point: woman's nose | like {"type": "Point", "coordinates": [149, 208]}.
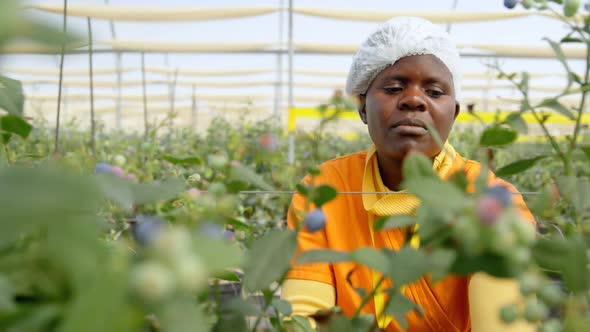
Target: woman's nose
{"type": "Point", "coordinates": [412, 99]}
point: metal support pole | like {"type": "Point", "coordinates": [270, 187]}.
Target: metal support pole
{"type": "Point", "coordinates": [455, 2]}
{"type": "Point", "coordinates": [291, 156]}
{"type": "Point", "coordinates": [279, 83]}
{"type": "Point", "coordinates": [119, 68]}
{"type": "Point", "coordinates": [172, 97]}
{"type": "Point", "coordinates": [194, 109]}
{"type": "Point", "coordinates": [143, 85]}
{"type": "Point", "coordinates": [61, 74]}
{"type": "Point", "coordinates": [91, 74]}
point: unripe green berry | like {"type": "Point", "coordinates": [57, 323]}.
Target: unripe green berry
{"type": "Point", "coordinates": [152, 281]}
{"type": "Point", "coordinates": [570, 7]}
{"type": "Point", "coordinates": [529, 283]}
{"type": "Point", "coordinates": [509, 313]}
{"type": "Point", "coordinates": [551, 294]}
{"type": "Point", "coordinates": [535, 311]}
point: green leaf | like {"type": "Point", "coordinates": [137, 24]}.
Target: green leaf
{"type": "Point", "coordinates": [398, 306]}
{"type": "Point", "coordinates": [6, 295]}
{"type": "Point", "coordinates": [12, 99]}
{"type": "Point", "coordinates": [372, 258]}
{"type": "Point", "coordinates": [186, 161]}
{"type": "Point", "coordinates": [49, 35]}
{"type": "Point", "coordinates": [561, 58]}
{"type": "Point", "coordinates": [323, 194]}
{"type": "Point", "coordinates": [576, 190]}
{"type": "Point", "coordinates": [216, 254]}
{"type": "Point", "coordinates": [243, 173]}
{"type": "Point", "coordinates": [242, 307]}
{"type": "Point", "coordinates": [282, 306]}
{"type": "Point", "coordinates": [492, 264]}
{"type": "Point", "coordinates": [585, 149]}
{"type": "Point", "coordinates": [323, 256]}
{"type": "Point", "coordinates": [516, 122]}
{"type": "Point", "coordinates": [441, 261]}
{"type": "Point", "coordinates": [524, 82]}
{"type": "Point", "coordinates": [144, 193]}
{"type": "Point", "coordinates": [415, 264]}
{"type": "Point", "coordinates": [57, 196]}
{"type": "Point", "coordinates": [269, 259]}
{"type": "Point", "coordinates": [555, 105]}
{"type": "Point", "coordinates": [101, 306]}
{"type": "Point", "coordinates": [115, 189]}
{"type": "Point", "coordinates": [182, 315]}
{"type": "Point", "coordinates": [302, 189]}
{"type": "Point", "coordinates": [518, 166]}
{"type": "Point", "coordinates": [567, 256]}
{"type": "Point", "coordinates": [542, 201]}
{"type": "Point", "coordinates": [230, 322]}
{"type": "Point", "coordinates": [497, 135]}
{"type": "Point", "coordinates": [301, 324]}
{"type": "Point", "coordinates": [570, 40]}
{"type": "Point", "coordinates": [430, 190]}
{"type": "Point", "coordinates": [340, 324]}
{"type": "Point", "coordinates": [417, 165]}
{"type": "Point", "coordinates": [226, 276]}
{"type": "Point", "coordinates": [14, 124]}
{"type": "Point", "coordinates": [38, 318]}
{"type": "Point", "coordinates": [390, 222]}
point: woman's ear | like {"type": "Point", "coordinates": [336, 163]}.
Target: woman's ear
{"type": "Point", "coordinates": [457, 109]}
{"type": "Point", "coordinates": [362, 109]}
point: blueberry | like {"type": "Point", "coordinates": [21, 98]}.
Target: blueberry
{"type": "Point", "coordinates": [146, 228]}
{"type": "Point", "coordinates": [102, 168]}
{"type": "Point", "coordinates": [315, 220]}
{"type": "Point", "coordinates": [510, 3]}
{"type": "Point", "coordinates": [501, 193]}
{"type": "Point", "coordinates": [489, 209]}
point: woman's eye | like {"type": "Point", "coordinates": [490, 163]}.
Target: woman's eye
{"type": "Point", "coordinates": [392, 89]}
{"type": "Point", "coordinates": [434, 93]}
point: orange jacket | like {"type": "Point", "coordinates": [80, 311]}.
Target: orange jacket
{"type": "Point", "coordinates": [445, 304]}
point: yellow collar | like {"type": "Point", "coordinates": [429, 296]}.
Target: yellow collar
{"type": "Point", "coordinates": [401, 202]}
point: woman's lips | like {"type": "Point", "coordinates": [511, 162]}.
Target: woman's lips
{"type": "Point", "coordinates": [410, 130]}
{"type": "Point", "coordinates": [410, 126]}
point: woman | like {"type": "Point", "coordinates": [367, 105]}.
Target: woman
{"type": "Point", "coordinates": [406, 76]}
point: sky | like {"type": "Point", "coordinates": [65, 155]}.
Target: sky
{"type": "Point", "coordinates": [265, 28]}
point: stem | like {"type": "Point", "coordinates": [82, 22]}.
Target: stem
{"type": "Point", "coordinates": [61, 73]}
{"type": "Point", "coordinates": [367, 298]}
{"type": "Point", "coordinates": [552, 141]}
{"type": "Point", "coordinates": [582, 104]}
{"type": "Point", "coordinates": [266, 305]}
{"type": "Point", "coordinates": [8, 161]}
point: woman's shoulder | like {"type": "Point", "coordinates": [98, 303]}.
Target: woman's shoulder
{"type": "Point", "coordinates": [345, 170]}
{"type": "Point", "coordinates": [351, 160]}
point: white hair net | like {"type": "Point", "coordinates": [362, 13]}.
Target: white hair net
{"type": "Point", "coordinates": [398, 38]}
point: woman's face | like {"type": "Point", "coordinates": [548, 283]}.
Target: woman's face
{"type": "Point", "coordinates": [415, 91]}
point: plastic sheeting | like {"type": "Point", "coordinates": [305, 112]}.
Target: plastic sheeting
{"type": "Point", "coordinates": [134, 45]}
{"type": "Point", "coordinates": [139, 98]}
{"type": "Point", "coordinates": [163, 13]}
{"type": "Point", "coordinates": [435, 17]}
{"type": "Point", "coordinates": [530, 51]}
{"type": "Point", "coordinates": [143, 13]}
